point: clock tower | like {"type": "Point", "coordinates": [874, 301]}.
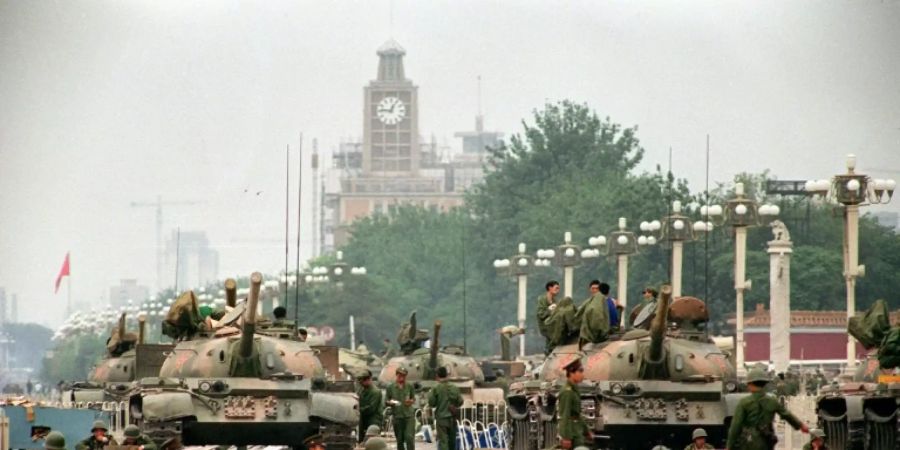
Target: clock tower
{"type": "Point", "coordinates": [390, 118]}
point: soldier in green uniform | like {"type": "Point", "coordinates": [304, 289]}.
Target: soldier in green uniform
{"type": "Point", "coordinates": [55, 441]}
{"type": "Point", "coordinates": [563, 325]}
{"type": "Point", "coordinates": [314, 442]}
{"type": "Point", "coordinates": [370, 409]}
{"type": "Point", "coordinates": [98, 438]}
{"type": "Point", "coordinates": [445, 400]}
{"type": "Point", "coordinates": [573, 431]}
{"type": "Point", "coordinates": [751, 426]}
{"type": "Point", "coordinates": [400, 397]}
{"type": "Point", "coordinates": [699, 440]}
{"type": "Point", "coordinates": [594, 317]}
{"type": "Point", "coordinates": [817, 440]}
{"type": "Point", "coordinates": [134, 437]}
{"type": "Point", "coordinates": [546, 305]}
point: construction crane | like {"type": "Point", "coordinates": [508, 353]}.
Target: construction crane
{"type": "Point", "coordinates": [158, 204]}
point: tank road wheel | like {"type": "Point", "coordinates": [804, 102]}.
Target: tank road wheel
{"type": "Point", "coordinates": [549, 432]}
{"type": "Point", "coordinates": [881, 429]}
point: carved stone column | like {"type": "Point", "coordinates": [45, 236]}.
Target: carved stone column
{"type": "Point", "coordinates": [780, 250]}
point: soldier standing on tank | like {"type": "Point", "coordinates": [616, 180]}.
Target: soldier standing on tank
{"type": "Point", "coordinates": [401, 396]}
{"type": "Point", "coordinates": [370, 410]}
{"type": "Point", "coordinates": [699, 440]}
{"type": "Point", "coordinates": [573, 431]}
{"type": "Point", "coordinates": [445, 400]}
{"type": "Point", "coordinates": [134, 437]}
{"type": "Point", "coordinates": [751, 426]}
{"type": "Point", "coordinates": [546, 305]}
{"type": "Point", "coordinates": [98, 438]}
{"type": "Point", "coordinates": [55, 441]}
{"type": "Point", "coordinates": [817, 440]}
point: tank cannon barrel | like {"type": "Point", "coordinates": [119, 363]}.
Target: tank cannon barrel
{"type": "Point", "coordinates": [122, 326]}
{"type": "Point", "coordinates": [230, 293]}
{"type": "Point", "coordinates": [249, 327]}
{"type": "Point", "coordinates": [142, 325]}
{"type": "Point", "coordinates": [654, 366]}
{"type": "Point", "coordinates": [435, 346]}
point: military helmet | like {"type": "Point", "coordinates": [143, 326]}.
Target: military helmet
{"type": "Point", "coordinates": [401, 370]}
{"type": "Point", "coordinates": [817, 433]}
{"type": "Point", "coordinates": [373, 430]}
{"type": "Point", "coordinates": [55, 441]}
{"type": "Point", "coordinates": [757, 376]}
{"type": "Point", "coordinates": [314, 440]}
{"type": "Point", "coordinates": [699, 433]}
{"type": "Point", "coordinates": [581, 447]}
{"type": "Point", "coordinates": [99, 424]}
{"type": "Point", "coordinates": [132, 431]}
{"type": "Point", "coordinates": [376, 443]}
{"type": "Point", "coordinates": [364, 374]}
{"type": "Point", "coordinates": [573, 365]}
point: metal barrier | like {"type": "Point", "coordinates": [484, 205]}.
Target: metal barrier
{"type": "Point", "coordinates": [480, 426]}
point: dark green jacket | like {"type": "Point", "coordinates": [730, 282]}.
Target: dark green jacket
{"type": "Point", "coordinates": [370, 408]}
{"type": "Point", "coordinates": [752, 418]}
{"type": "Point", "coordinates": [594, 314]}
{"type": "Point", "coordinates": [445, 399]}
{"type": "Point", "coordinates": [808, 446]}
{"type": "Point", "coordinates": [543, 312]}
{"type": "Point", "coordinates": [93, 444]}
{"type": "Point", "coordinates": [705, 446]}
{"type": "Point", "coordinates": [571, 423]}
{"type": "Point", "coordinates": [141, 440]}
{"type": "Point", "coordinates": [395, 392]}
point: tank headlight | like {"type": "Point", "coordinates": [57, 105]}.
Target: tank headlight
{"type": "Point", "coordinates": [616, 389]}
{"type": "Point", "coordinates": [731, 386]}
{"type": "Point", "coordinates": [204, 386]}
{"type": "Point", "coordinates": [630, 388]}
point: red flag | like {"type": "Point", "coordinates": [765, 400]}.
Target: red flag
{"type": "Point", "coordinates": [63, 272]}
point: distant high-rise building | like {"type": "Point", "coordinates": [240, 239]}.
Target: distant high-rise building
{"type": "Point", "coordinates": [128, 289]}
{"type": "Point", "coordinates": [197, 263]}
{"type": "Point", "coordinates": [2, 306]}
{"type": "Point", "coordinates": [14, 309]}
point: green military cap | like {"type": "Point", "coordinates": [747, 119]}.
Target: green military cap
{"type": "Point", "coordinates": [364, 374]}
{"type": "Point", "coordinates": [757, 376]}
{"type": "Point", "coordinates": [314, 440]}
{"type": "Point", "coordinates": [581, 447]}
{"type": "Point", "coordinates": [132, 431]}
{"type": "Point", "coordinates": [699, 433]}
{"type": "Point", "coordinates": [573, 365]}
{"type": "Point", "coordinates": [817, 433]}
{"type": "Point", "coordinates": [99, 424]}
{"type": "Point", "coordinates": [55, 441]}
{"type": "Point", "coordinates": [376, 443]}
{"type": "Point", "coordinates": [373, 430]}
{"type": "Point", "coordinates": [401, 371]}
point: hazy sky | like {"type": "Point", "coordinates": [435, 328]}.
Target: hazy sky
{"type": "Point", "coordinates": [104, 103]}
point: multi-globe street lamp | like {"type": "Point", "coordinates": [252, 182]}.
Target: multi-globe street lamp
{"type": "Point", "coordinates": [852, 190]}
{"type": "Point", "coordinates": [336, 272]}
{"type": "Point", "coordinates": [620, 243]}
{"type": "Point", "coordinates": [740, 213]}
{"type": "Point", "coordinates": [675, 229]}
{"type": "Point", "coordinates": [567, 255]}
{"type": "Point", "coordinates": [519, 265]}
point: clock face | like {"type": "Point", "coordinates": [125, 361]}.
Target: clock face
{"type": "Point", "coordinates": [391, 110]}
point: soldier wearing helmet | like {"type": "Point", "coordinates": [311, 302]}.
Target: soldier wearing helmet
{"type": "Point", "coordinates": [751, 426]}
{"type": "Point", "coordinates": [134, 437]}
{"type": "Point", "coordinates": [55, 441]}
{"type": "Point", "coordinates": [98, 439]}
{"type": "Point", "coordinates": [699, 440]}
{"type": "Point", "coordinates": [817, 440]}
{"type": "Point", "coordinates": [370, 407]}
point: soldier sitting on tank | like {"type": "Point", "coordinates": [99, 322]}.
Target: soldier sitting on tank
{"type": "Point", "coordinates": [184, 320]}
{"type": "Point", "coordinates": [134, 437]}
{"type": "Point", "coordinates": [816, 441]}
{"type": "Point", "coordinates": [594, 315]}
{"type": "Point", "coordinates": [562, 324]}
{"type": "Point", "coordinates": [642, 314]}
{"type": "Point", "coordinates": [98, 438]}
{"type": "Point", "coordinates": [698, 440]}
{"type": "Point", "coordinates": [411, 338]}
{"type": "Point", "coordinates": [547, 303]}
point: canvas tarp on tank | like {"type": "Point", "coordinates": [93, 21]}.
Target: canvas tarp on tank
{"type": "Point", "coordinates": [870, 327]}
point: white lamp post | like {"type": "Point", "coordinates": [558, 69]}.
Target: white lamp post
{"type": "Point", "coordinates": [566, 255]}
{"type": "Point", "coordinates": [519, 265]}
{"type": "Point", "coordinates": [851, 190]}
{"type": "Point", "coordinates": [620, 243]}
{"type": "Point", "coordinates": [674, 229]}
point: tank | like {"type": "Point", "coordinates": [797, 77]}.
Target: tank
{"type": "Point", "coordinates": [864, 414]}
{"type": "Point", "coordinates": [422, 363]}
{"type": "Point", "coordinates": [233, 386]}
{"type": "Point", "coordinates": [649, 387]}
{"type": "Point", "coordinates": [128, 358]}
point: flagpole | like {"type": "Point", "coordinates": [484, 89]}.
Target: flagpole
{"type": "Point", "coordinates": [69, 292]}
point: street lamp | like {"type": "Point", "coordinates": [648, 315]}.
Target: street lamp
{"type": "Point", "coordinates": [620, 243]}
{"type": "Point", "coordinates": [566, 255]}
{"type": "Point", "coordinates": [674, 229]}
{"type": "Point", "coordinates": [519, 265]}
{"type": "Point", "coordinates": [739, 213]}
{"type": "Point", "coordinates": [852, 190]}
{"type": "Point", "coordinates": [336, 272]}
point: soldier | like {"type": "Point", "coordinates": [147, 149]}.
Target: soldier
{"type": "Point", "coordinates": [594, 316]}
{"type": "Point", "coordinates": [648, 300]}
{"type": "Point", "coordinates": [546, 305]}
{"type": "Point", "coordinates": [280, 313]}
{"type": "Point", "coordinates": [573, 432]}
{"type": "Point", "coordinates": [55, 441]}
{"type": "Point", "coordinates": [302, 334]}
{"type": "Point", "coordinates": [98, 438]}
{"type": "Point", "coordinates": [134, 437]}
{"type": "Point", "coordinates": [401, 396]}
{"type": "Point", "coordinates": [751, 426]}
{"type": "Point", "coordinates": [445, 401]}
{"type": "Point", "coordinates": [314, 442]}
{"type": "Point", "coordinates": [699, 440]}
{"type": "Point", "coordinates": [563, 325]}
{"type": "Point", "coordinates": [817, 440]}
{"type": "Point", "coordinates": [370, 410]}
